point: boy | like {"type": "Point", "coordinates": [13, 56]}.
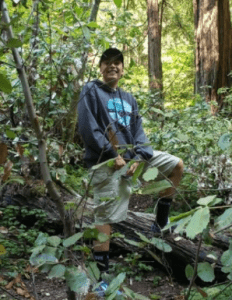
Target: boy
{"type": "Point", "coordinates": [108, 115]}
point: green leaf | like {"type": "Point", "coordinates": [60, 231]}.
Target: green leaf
{"type": "Point", "coordinates": [156, 187]}
{"type": "Point", "coordinates": [215, 201]}
{"type": "Point", "coordinates": [76, 280]}
{"type": "Point", "coordinates": [93, 25]}
{"type": "Point", "coordinates": [225, 219]}
{"type": "Point", "coordinates": [189, 272]}
{"type": "Point", "coordinates": [5, 85]}
{"type": "Point", "coordinates": [117, 174]}
{"type": "Point", "coordinates": [41, 239]}
{"type": "Point", "coordinates": [57, 271]}
{"type": "Point", "coordinates": [72, 239]}
{"type": "Point", "coordinates": [86, 32]}
{"type": "Point", "coordinates": [205, 272]}
{"type": "Point", "coordinates": [158, 111]}
{"type": "Point", "coordinates": [132, 295]}
{"type": "Point", "coordinates": [206, 200]}
{"type": "Point", "coordinates": [10, 134]}
{"type": "Point", "coordinates": [102, 237]}
{"type": "Point", "coordinates": [161, 245]}
{"type": "Point", "coordinates": [118, 3]}
{"type": "Point", "coordinates": [225, 141]}
{"type": "Point", "coordinates": [37, 250]}
{"type": "Point", "coordinates": [45, 268]}
{"type": "Point", "coordinates": [134, 243]}
{"type": "Point", "coordinates": [150, 174]}
{"type": "Point", "coordinates": [42, 259]}
{"type": "Point", "coordinates": [181, 216]}
{"type": "Point", "coordinates": [143, 237]}
{"type": "Point", "coordinates": [138, 172]}
{"type": "Point", "coordinates": [53, 241]}
{"type": "Point", "coordinates": [198, 222]}
{"type": "Point", "coordinates": [109, 161]}
{"type": "Point", "coordinates": [93, 271]}
{"type": "Point", "coordinates": [91, 233]}
{"type": "Point", "coordinates": [115, 284]}
{"type": "Point", "coordinates": [14, 43]}
{"type": "Point", "coordinates": [226, 260]}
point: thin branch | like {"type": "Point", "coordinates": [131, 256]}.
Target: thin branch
{"type": "Point", "coordinates": [195, 268]}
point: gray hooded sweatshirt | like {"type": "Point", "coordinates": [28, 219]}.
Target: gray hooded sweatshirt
{"type": "Point", "coordinates": [100, 108]}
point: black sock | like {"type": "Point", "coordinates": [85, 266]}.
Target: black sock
{"type": "Point", "coordinates": [163, 211]}
{"type": "Point", "coordinates": [102, 259]}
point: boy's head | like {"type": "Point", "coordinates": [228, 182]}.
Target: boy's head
{"type": "Point", "coordinates": [111, 66]}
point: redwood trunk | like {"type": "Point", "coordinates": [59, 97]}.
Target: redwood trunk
{"type": "Point", "coordinates": [213, 49]}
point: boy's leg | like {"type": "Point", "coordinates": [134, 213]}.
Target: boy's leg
{"type": "Point", "coordinates": [101, 250]}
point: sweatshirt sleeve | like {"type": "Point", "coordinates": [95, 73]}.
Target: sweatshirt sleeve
{"type": "Point", "coordinates": [91, 133]}
{"type": "Point", "coordinates": [146, 152]}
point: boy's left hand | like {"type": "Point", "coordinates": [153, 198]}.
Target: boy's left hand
{"type": "Point", "coordinates": [132, 169]}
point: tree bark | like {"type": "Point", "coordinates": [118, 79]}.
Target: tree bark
{"type": "Point", "coordinates": [154, 15]}
{"type": "Point", "coordinates": [71, 119]}
{"type": "Point", "coordinates": [213, 58]}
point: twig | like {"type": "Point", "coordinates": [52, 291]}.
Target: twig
{"type": "Point", "coordinates": [195, 268]}
{"type": "Point", "coordinates": [228, 285]}
{"type": "Point", "coordinates": [9, 293]}
{"type": "Point", "coordinates": [33, 285]}
{"type": "Point", "coordinates": [224, 228]}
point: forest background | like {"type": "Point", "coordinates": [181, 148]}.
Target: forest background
{"type": "Point", "coordinates": [178, 57]}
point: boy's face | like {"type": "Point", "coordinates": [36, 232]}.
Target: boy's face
{"type": "Point", "coordinates": [112, 71]}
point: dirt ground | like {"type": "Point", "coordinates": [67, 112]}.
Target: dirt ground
{"type": "Point", "coordinates": [167, 288]}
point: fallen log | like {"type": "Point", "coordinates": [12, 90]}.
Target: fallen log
{"type": "Point", "coordinates": [183, 250]}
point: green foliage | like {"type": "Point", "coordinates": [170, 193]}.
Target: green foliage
{"type": "Point", "coordinates": [205, 272]}
{"type": "Point", "coordinates": [150, 174]}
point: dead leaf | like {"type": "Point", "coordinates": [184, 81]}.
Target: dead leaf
{"type": "Point", "coordinates": [3, 153]}
{"type": "Point", "coordinates": [1, 213]}
{"type": "Point", "coordinates": [18, 279]}
{"type": "Point", "coordinates": [3, 230]}
{"type": "Point", "coordinates": [1, 278]}
{"type": "Point", "coordinates": [21, 292]}
{"type": "Point", "coordinates": [9, 285]}
{"type": "Point", "coordinates": [19, 149]}
{"type": "Point", "coordinates": [2, 250]}
{"type": "Point", "coordinates": [7, 170]}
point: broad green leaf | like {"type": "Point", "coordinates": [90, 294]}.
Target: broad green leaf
{"type": "Point", "coordinates": [206, 200]}
{"type": "Point", "coordinates": [91, 233]}
{"type": "Point", "coordinates": [161, 245]}
{"type": "Point", "coordinates": [93, 271]}
{"type": "Point", "coordinates": [102, 237]}
{"type": "Point", "coordinates": [117, 174]}
{"type": "Point", "coordinates": [45, 268]}
{"type": "Point", "coordinates": [189, 272]}
{"type": "Point", "coordinates": [115, 284]}
{"type": "Point", "coordinates": [53, 241]}
{"type": "Point", "coordinates": [10, 134]}
{"type": "Point", "coordinates": [158, 111]}
{"type": "Point", "coordinates": [205, 272]}
{"type": "Point", "coordinates": [225, 141]}
{"type": "Point", "coordinates": [156, 187]}
{"type": "Point", "coordinates": [198, 222]}
{"type": "Point", "coordinates": [225, 219]}
{"type": "Point", "coordinates": [37, 250]}
{"type": "Point", "coordinates": [150, 174]}
{"type": "Point", "coordinates": [93, 25]}
{"type": "Point", "coordinates": [42, 259]}
{"type": "Point", "coordinates": [133, 295]}
{"type": "Point", "coordinates": [14, 43]}
{"type": "Point", "coordinates": [103, 164]}
{"type": "Point", "coordinates": [86, 32]}
{"type": "Point", "coordinates": [41, 239]}
{"type": "Point", "coordinates": [226, 260]}
{"type": "Point", "coordinates": [138, 172]}
{"type": "Point", "coordinates": [143, 237]}
{"type": "Point", "coordinates": [215, 201]}
{"type": "Point", "coordinates": [2, 250]}
{"type": "Point", "coordinates": [76, 280]}
{"type": "Point", "coordinates": [57, 271]}
{"type": "Point", "coordinates": [183, 137]}
{"type": "Point", "coordinates": [118, 3]}
{"type": "Point", "coordinates": [180, 224]}
{"type": "Point", "coordinates": [72, 239]}
{"type": "Point", "coordinates": [134, 243]}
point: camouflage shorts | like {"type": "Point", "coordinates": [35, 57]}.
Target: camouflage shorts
{"type": "Point", "coordinates": [112, 193]}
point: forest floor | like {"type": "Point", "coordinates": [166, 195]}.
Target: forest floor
{"type": "Point", "coordinates": [155, 284]}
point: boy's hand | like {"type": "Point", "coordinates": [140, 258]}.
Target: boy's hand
{"type": "Point", "coordinates": [132, 169]}
{"type": "Point", "coordinates": [119, 163]}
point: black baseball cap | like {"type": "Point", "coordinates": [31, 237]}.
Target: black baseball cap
{"type": "Point", "coordinates": [111, 53]}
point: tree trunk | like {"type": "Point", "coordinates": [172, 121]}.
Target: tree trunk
{"type": "Point", "coordinates": [154, 16]}
{"type": "Point", "coordinates": [71, 119]}
{"type": "Point", "coordinates": [213, 58]}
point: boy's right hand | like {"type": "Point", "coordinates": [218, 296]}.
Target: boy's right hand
{"type": "Point", "coordinates": [119, 163]}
